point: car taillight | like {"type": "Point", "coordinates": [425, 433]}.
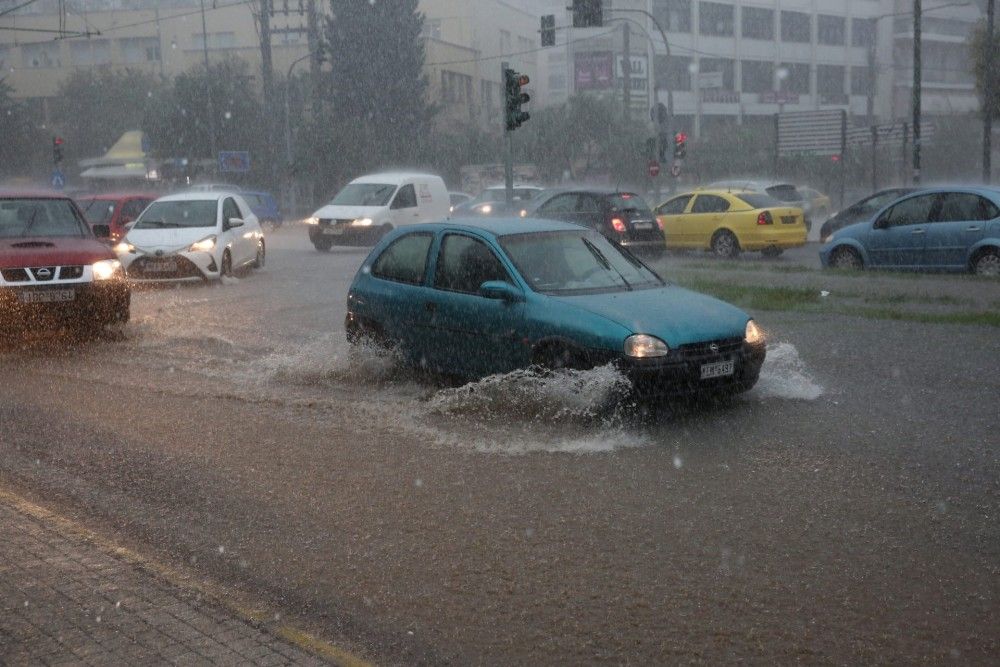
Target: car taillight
{"type": "Point", "coordinates": [659, 223]}
{"type": "Point", "coordinates": [764, 218]}
{"type": "Point", "coordinates": [618, 224]}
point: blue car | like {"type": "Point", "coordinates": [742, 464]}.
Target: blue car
{"type": "Point", "coordinates": [265, 208]}
{"type": "Point", "coordinates": [937, 229]}
{"type": "Point", "coordinates": [471, 298]}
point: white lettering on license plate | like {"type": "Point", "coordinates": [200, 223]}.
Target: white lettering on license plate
{"type": "Point", "coordinates": [717, 369]}
{"type": "Point", "coordinates": [47, 296]}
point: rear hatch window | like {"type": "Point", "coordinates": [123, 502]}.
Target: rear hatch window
{"type": "Point", "coordinates": [627, 202]}
{"type": "Point", "coordinates": [785, 193]}
{"type": "Point", "coordinates": [758, 200]}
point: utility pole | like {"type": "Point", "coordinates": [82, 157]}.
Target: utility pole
{"type": "Point", "coordinates": [916, 91]}
{"type": "Point", "coordinates": [208, 89]}
{"type": "Point", "coordinates": [508, 145]}
{"type": "Point", "coordinates": [870, 102]}
{"type": "Point", "coordinates": [267, 76]}
{"type": "Point", "coordinates": [988, 94]}
{"type": "Point", "coordinates": [316, 56]}
{"type": "Point", "coordinates": [626, 72]}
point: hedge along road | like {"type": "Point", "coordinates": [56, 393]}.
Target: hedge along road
{"type": "Point", "coordinates": [842, 511]}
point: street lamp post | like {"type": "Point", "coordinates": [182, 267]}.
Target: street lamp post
{"type": "Point", "coordinates": [288, 130]}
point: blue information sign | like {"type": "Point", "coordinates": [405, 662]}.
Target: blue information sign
{"type": "Point", "coordinates": [234, 161]}
{"type": "Point", "coordinates": [58, 180]}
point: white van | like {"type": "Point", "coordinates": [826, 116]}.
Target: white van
{"type": "Point", "coordinates": [370, 206]}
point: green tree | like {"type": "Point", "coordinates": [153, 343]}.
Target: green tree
{"type": "Point", "coordinates": [93, 108]}
{"type": "Point", "coordinates": [376, 109]}
{"type": "Point", "coordinates": [987, 76]}
{"type": "Point", "coordinates": [21, 142]}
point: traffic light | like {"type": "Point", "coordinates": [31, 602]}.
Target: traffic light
{"type": "Point", "coordinates": [57, 149]}
{"type": "Point", "coordinates": [549, 30]}
{"type": "Point", "coordinates": [680, 145]}
{"type": "Point", "coordinates": [513, 82]}
{"type": "Point", "coordinates": [588, 13]}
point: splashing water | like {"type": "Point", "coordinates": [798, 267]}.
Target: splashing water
{"type": "Point", "coordinates": [329, 361]}
{"type": "Point", "coordinates": [784, 376]}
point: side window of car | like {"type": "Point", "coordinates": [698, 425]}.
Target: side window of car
{"type": "Point", "coordinates": [960, 207]}
{"type": "Point", "coordinates": [230, 210]}
{"type": "Point", "coordinates": [562, 204]}
{"type": "Point", "coordinates": [133, 207]}
{"type": "Point", "coordinates": [912, 211]}
{"type": "Point", "coordinates": [587, 204]}
{"type": "Point", "coordinates": [709, 204]}
{"type": "Point", "coordinates": [405, 260]}
{"type": "Point", "coordinates": [405, 198]}
{"type": "Point", "coordinates": [675, 206]}
{"type": "Point", "coordinates": [465, 263]}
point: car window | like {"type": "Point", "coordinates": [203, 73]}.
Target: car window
{"type": "Point", "coordinates": [627, 201]}
{"type": "Point", "coordinates": [565, 203]}
{"type": "Point", "coordinates": [587, 204]}
{"type": "Point", "coordinates": [912, 211]}
{"type": "Point", "coordinates": [965, 206]}
{"type": "Point", "coordinates": [709, 204]}
{"type": "Point", "coordinates": [785, 193]}
{"type": "Point", "coordinates": [133, 207]}
{"type": "Point", "coordinates": [230, 210]}
{"type": "Point", "coordinates": [97, 211]}
{"type": "Point", "coordinates": [405, 259]}
{"type": "Point", "coordinates": [405, 198]}
{"type": "Point", "coordinates": [465, 263]}
{"type": "Point", "coordinates": [675, 206]}
{"type": "Point", "coordinates": [38, 217]}
{"type": "Point", "coordinates": [756, 200]}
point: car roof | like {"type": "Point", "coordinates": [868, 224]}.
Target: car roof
{"type": "Point", "coordinates": [501, 226]}
{"type": "Point", "coordinates": [515, 187]}
{"type": "Point", "coordinates": [33, 194]}
{"type": "Point", "coordinates": [748, 184]}
{"type": "Point", "coordinates": [392, 175]}
{"type": "Point", "coordinates": [207, 195]}
{"type": "Point", "coordinates": [109, 196]}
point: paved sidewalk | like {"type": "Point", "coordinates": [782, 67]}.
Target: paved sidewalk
{"type": "Point", "coordinates": [67, 598]}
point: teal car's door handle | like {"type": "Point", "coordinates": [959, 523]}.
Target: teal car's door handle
{"type": "Point", "coordinates": [973, 229]}
{"type": "Point", "coordinates": [917, 231]}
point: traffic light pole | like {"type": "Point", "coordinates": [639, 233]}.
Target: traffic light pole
{"type": "Point", "coordinates": [508, 150]}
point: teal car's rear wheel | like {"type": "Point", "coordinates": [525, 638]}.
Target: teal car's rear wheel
{"type": "Point", "coordinates": [986, 263]}
{"type": "Point", "coordinates": [847, 259]}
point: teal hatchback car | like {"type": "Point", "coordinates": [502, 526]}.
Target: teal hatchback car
{"type": "Point", "coordinates": [477, 297]}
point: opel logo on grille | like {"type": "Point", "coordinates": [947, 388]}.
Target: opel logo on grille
{"type": "Point", "coordinates": [159, 253]}
{"type": "Point", "coordinates": [714, 347]}
{"type": "Point", "coordinates": [44, 273]}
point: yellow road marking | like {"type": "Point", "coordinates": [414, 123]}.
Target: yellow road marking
{"type": "Point", "coordinates": [180, 579]}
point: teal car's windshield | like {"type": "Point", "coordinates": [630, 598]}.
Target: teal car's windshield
{"type": "Point", "coordinates": [177, 214]}
{"type": "Point", "coordinates": [575, 262]}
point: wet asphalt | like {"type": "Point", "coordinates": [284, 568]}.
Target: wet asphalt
{"type": "Point", "coordinates": [844, 511]}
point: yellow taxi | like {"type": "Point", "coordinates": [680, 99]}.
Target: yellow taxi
{"type": "Point", "coordinates": [728, 222]}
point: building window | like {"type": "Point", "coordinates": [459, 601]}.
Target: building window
{"type": "Point", "coordinates": [673, 73]}
{"type": "Point", "coordinates": [216, 40]}
{"type": "Point", "coordinates": [456, 87]}
{"type": "Point", "coordinates": [758, 23]}
{"type": "Point", "coordinates": [432, 29]}
{"type": "Point", "coordinates": [715, 19]}
{"type": "Point", "coordinates": [673, 15]}
{"type": "Point", "coordinates": [859, 81]}
{"type": "Point", "coordinates": [758, 76]}
{"type": "Point", "coordinates": [40, 55]}
{"type": "Point", "coordinates": [797, 78]}
{"type": "Point", "coordinates": [796, 27]}
{"type": "Point", "coordinates": [140, 49]}
{"type": "Point", "coordinates": [830, 30]}
{"type": "Point", "coordinates": [830, 84]}
{"type": "Point", "coordinates": [91, 52]}
{"type": "Point", "coordinates": [725, 65]}
{"type": "Point", "coordinates": [863, 32]}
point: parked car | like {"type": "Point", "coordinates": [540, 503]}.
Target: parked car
{"type": "Point", "coordinates": [940, 229]}
{"type": "Point", "coordinates": [117, 210]}
{"type": "Point", "coordinates": [265, 207]}
{"type": "Point", "coordinates": [624, 217]}
{"type": "Point", "coordinates": [861, 210]}
{"type": "Point", "coordinates": [447, 295]}
{"type": "Point", "coordinates": [52, 266]}
{"type": "Point", "coordinates": [457, 199]}
{"type": "Point", "coordinates": [786, 193]}
{"type": "Point", "coordinates": [820, 205]}
{"type": "Point", "coordinates": [493, 201]}
{"type": "Point", "coordinates": [192, 236]}
{"type": "Point", "coordinates": [371, 206]}
{"type": "Point", "coordinates": [215, 187]}
{"type": "Point", "coordinates": [728, 222]}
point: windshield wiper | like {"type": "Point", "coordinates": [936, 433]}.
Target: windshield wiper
{"type": "Point", "coordinates": [31, 223]}
{"type": "Point", "coordinates": [603, 261]}
{"type": "Point", "coordinates": [159, 223]}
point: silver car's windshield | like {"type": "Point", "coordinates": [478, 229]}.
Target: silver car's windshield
{"type": "Point", "coordinates": [575, 262]}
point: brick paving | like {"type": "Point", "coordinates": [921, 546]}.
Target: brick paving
{"type": "Point", "coordinates": [65, 600]}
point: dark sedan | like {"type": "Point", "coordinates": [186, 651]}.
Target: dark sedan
{"type": "Point", "coordinates": [623, 217]}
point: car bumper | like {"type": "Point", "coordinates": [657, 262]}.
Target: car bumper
{"type": "Point", "coordinates": [680, 372]}
{"type": "Point", "coordinates": [178, 267]}
{"type": "Point", "coordinates": [101, 303]}
{"type": "Point", "coordinates": [779, 238]}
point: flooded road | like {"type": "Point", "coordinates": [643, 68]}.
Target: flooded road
{"type": "Point", "coordinates": [844, 510]}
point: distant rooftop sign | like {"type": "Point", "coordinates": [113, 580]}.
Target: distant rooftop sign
{"type": "Point", "coordinates": [812, 132]}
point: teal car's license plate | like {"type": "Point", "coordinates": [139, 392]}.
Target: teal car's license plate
{"type": "Point", "coordinates": [717, 369]}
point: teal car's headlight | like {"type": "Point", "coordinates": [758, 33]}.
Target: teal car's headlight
{"type": "Point", "coordinates": [107, 269]}
{"type": "Point", "coordinates": [754, 334]}
{"type": "Point", "coordinates": [643, 346]}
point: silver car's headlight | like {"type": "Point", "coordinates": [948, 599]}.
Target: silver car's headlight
{"type": "Point", "coordinates": [106, 269]}
{"type": "Point", "coordinates": [362, 222]}
{"type": "Point", "coordinates": [643, 346]}
{"type": "Point", "coordinates": [311, 220]}
{"type": "Point", "coordinates": [754, 334]}
{"type": "Point", "coordinates": [124, 248]}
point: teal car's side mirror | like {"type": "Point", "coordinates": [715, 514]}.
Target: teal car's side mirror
{"type": "Point", "coordinates": [500, 289]}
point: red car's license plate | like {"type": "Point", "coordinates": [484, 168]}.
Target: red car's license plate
{"type": "Point", "coordinates": [47, 296]}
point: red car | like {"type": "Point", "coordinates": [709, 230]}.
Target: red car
{"type": "Point", "coordinates": [53, 269]}
{"type": "Point", "coordinates": [115, 209]}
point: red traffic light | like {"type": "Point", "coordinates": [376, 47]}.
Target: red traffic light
{"type": "Point", "coordinates": [680, 138]}
{"type": "Point", "coordinates": [58, 141]}
{"type": "Point", "coordinates": [523, 80]}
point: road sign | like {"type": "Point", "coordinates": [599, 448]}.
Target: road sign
{"type": "Point", "coordinates": [675, 170]}
{"type": "Point", "coordinates": [58, 179]}
{"type": "Point", "coordinates": [654, 168]}
{"type": "Point", "coordinates": [812, 132]}
{"type": "Point", "coordinates": [234, 161]}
